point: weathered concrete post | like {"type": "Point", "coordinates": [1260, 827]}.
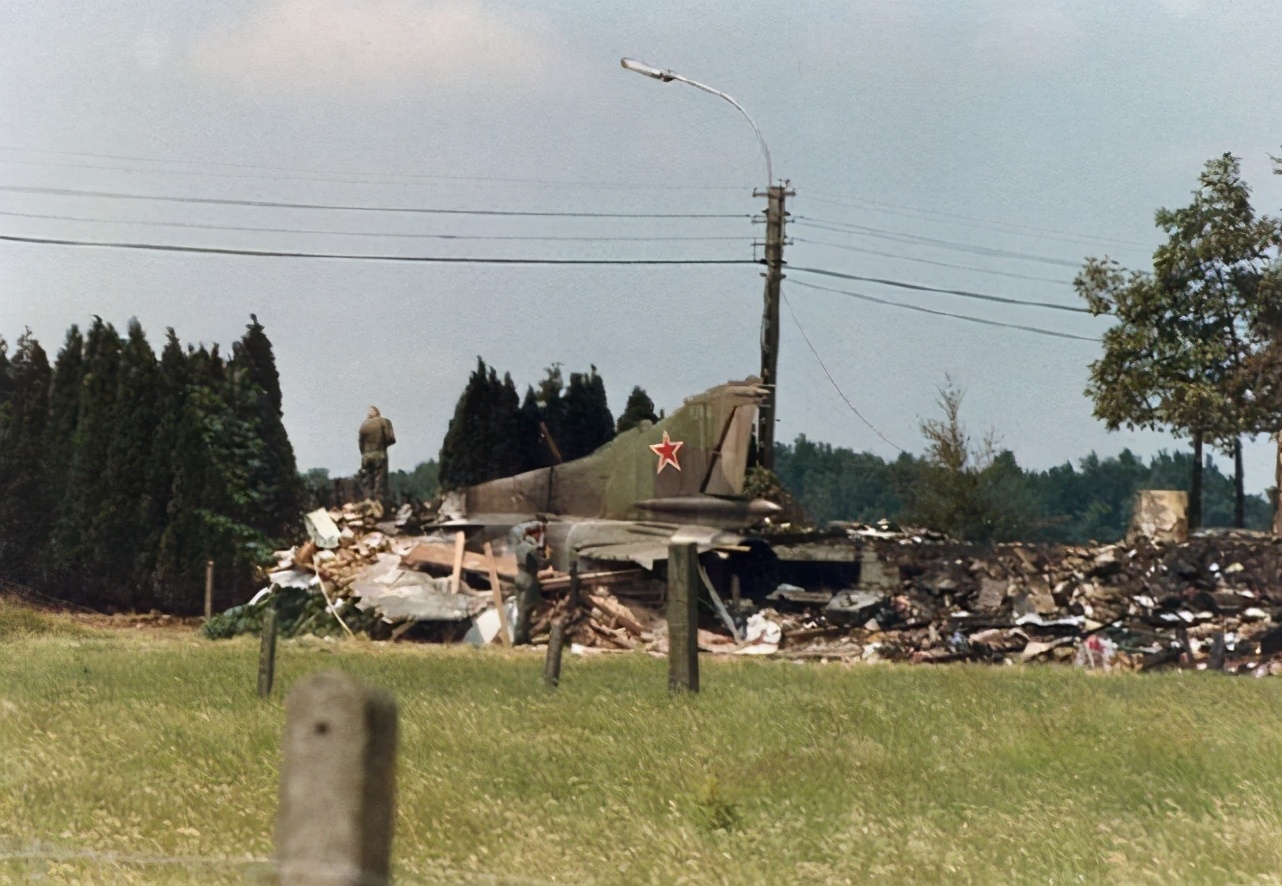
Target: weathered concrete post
{"type": "Point", "coordinates": [267, 652]}
{"type": "Point", "coordinates": [552, 666]}
{"type": "Point", "coordinates": [334, 826]}
{"type": "Point", "coordinates": [209, 590]}
{"type": "Point", "coordinates": [683, 618]}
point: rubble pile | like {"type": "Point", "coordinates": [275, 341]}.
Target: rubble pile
{"type": "Point", "coordinates": [364, 573]}
{"type": "Point", "coordinates": [1213, 601]}
{"type": "Point", "coordinates": [872, 593]}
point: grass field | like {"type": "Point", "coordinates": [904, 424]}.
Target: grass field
{"type": "Point", "coordinates": [139, 757]}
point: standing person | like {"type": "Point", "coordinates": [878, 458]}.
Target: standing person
{"type": "Point", "coordinates": [529, 593]}
{"type": "Point", "coordinates": [375, 436]}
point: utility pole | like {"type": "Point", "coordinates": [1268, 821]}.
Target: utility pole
{"type": "Point", "coordinates": [776, 217]}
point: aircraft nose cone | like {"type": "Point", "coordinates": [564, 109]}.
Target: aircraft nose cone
{"type": "Point", "coordinates": [760, 507]}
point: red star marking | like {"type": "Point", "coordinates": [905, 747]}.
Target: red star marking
{"type": "Point", "coordinates": [667, 452]}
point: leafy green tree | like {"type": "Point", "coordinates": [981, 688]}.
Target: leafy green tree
{"type": "Point", "coordinates": [420, 484]}
{"type": "Point", "coordinates": [639, 408]}
{"type": "Point", "coordinates": [972, 491]}
{"type": "Point", "coordinates": [213, 497]}
{"type": "Point", "coordinates": [1187, 333]}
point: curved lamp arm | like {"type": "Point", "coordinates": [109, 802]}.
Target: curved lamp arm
{"type": "Point", "coordinates": [669, 76]}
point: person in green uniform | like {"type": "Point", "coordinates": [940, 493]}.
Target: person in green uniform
{"type": "Point", "coordinates": [376, 435]}
{"type": "Point", "coordinates": [530, 559]}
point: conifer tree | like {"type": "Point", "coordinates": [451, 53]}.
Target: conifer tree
{"type": "Point", "coordinates": [79, 543]}
{"type": "Point", "coordinates": [126, 526]}
{"type": "Point", "coordinates": [24, 513]}
{"type": "Point", "coordinates": [586, 422]}
{"type": "Point", "coordinates": [465, 449]}
{"type": "Point", "coordinates": [64, 416]}
{"type": "Point", "coordinates": [639, 408]}
{"type": "Point", "coordinates": [276, 477]}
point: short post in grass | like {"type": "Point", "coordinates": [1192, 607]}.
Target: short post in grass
{"type": "Point", "coordinates": [552, 666]}
{"type": "Point", "coordinates": [209, 590]}
{"type": "Point", "coordinates": [683, 618]}
{"type": "Point", "coordinates": [334, 825]}
{"type": "Point", "coordinates": [267, 651]}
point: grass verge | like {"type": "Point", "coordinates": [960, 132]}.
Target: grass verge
{"type": "Point", "coordinates": [138, 759]}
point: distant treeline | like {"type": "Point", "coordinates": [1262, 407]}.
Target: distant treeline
{"type": "Point", "coordinates": [1001, 501]}
{"type": "Point", "coordinates": [121, 474]}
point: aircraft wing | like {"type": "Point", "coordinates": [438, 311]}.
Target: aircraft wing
{"type": "Point", "coordinates": [644, 544]}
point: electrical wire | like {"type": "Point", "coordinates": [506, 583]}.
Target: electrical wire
{"type": "Point", "coordinates": [836, 387]}
{"type": "Point", "coordinates": [926, 261]}
{"type": "Point", "coordinates": [918, 287]}
{"type": "Point", "coordinates": [272, 204]}
{"type": "Point", "coordinates": [173, 224]}
{"type": "Point", "coordinates": [881, 301]}
{"type": "Point", "coordinates": [390, 175]}
{"type": "Point", "coordinates": [896, 209]}
{"type": "Point", "coordinates": [901, 237]}
{"type": "Point", "coordinates": [425, 259]}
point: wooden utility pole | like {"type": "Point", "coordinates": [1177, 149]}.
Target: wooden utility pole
{"type": "Point", "coordinates": [1277, 485]}
{"type": "Point", "coordinates": [683, 617]}
{"type": "Point", "coordinates": [776, 216]}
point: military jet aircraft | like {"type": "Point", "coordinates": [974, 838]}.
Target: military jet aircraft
{"type": "Point", "coordinates": [678, 479]}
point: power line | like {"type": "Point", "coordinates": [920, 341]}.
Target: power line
{"type": "Point", "coordinates": [425, 259]}
{"type": "Point", "coordinates": [272, 204]}
{"type": "Point", "coordinates": [895, 209]}
{"type": "Point", "coordinates": [926, 261]}
{"type": "Point", "coordinates": [901, 237]}
{"type": "Point", "coordinates": [895, 304]}
{"type": "Point", "coordinates": [173, 224]}
{"type": "Point", "coordinates": [390, 175]}
{"type": "Point", "coordinates": [918, 287]}
{"type": "Point", "coordinates": [836, 387]}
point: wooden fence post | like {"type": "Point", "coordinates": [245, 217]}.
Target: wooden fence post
{"type": "Point", "coordinates": [209, 590]}
{"type": "Point", "coordinates": [334, 825]}
{"type": "Point", "coordinates": [267, 652]}
{"type": "Point", "coordinates": [552, 666]}
{"type": "Point", "coordinates": [683, 618]}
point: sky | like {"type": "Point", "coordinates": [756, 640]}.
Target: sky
{"type": "Point", "coordinates": [988, 146]}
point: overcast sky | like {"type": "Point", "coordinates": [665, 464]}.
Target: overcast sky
{"type": "Point", "coordinates": [963, 145]}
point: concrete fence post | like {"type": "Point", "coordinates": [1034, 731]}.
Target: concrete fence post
{"type": "Point", "coordinates": [683, 618]}
{"type": "Point", "coordinates": [334, 825]}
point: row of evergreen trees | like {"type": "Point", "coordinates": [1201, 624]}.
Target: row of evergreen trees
{"type": "Point", "coordinates": [998, 500]}
{"type": "Point", "coordinates": [122, 473]}
{"type": "Point", "coordinates": [494, 433]}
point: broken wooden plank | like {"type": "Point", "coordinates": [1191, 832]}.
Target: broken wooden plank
{"type": "Point", "coordinates": [497, 590]}
{"type": "Point", "coordinates": [439, 559]}
{"type": "Point", "coordinates": [456, 573]}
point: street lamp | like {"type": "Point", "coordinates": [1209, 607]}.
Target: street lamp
{"type": "Point", "coordinates": [775, 216]}
{"type": "Point", "coordinates": [669, 76]}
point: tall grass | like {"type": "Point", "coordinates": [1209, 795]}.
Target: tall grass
{"type": "Point", "coordinates": [141, 749]}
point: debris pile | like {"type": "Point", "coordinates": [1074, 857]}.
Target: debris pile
{"type": "Point", "coordinates": [872, 593]}
{"type": "Point", "coordinates": [1212, 601]}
